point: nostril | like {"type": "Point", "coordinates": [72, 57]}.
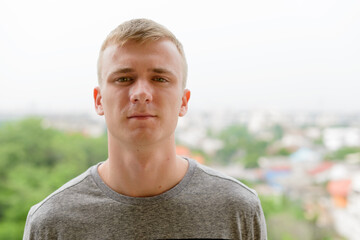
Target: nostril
{"type": "Point", "coordinates": [141, 98]}
{"type": "Point", "coordinates": [141, 94]}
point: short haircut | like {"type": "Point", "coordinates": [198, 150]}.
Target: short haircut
{"type": "Point", "coordinates": [141, 31]}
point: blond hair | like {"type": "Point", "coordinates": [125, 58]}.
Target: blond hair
{"type": "Point", "coordinates": [140, 31]}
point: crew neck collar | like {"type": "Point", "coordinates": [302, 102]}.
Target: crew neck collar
{"type": "Point", "coordinates": [144, 200]}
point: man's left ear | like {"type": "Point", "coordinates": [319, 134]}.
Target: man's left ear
{"type": "Point", "coordinates": [184, 103]}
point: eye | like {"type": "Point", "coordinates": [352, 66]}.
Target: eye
{"type": "Point", "coordinates": [160, 79]}
{"type": "Point", "coordinates": [124, 79]}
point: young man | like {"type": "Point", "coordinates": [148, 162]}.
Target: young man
{"type": "Point", "coordinates": [144, 190]}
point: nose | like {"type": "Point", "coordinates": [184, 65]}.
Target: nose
{"type": "Point", "coordinates": [141, 92]}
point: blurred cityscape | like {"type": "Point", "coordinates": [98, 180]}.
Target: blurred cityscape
{"type": "Point", "coordinates": [310, 158]}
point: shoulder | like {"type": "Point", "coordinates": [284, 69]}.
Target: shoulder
{"type": "Point", "coordinates": [57, 203]}
{"type": "Point", "coordinates": [219, 178]}
{"type": "Point", "coordinates": [225, 179]}
{"type": "Point", "coordinates": [232, 198]}
{"type": "Point", "coordinates": [226, 187]}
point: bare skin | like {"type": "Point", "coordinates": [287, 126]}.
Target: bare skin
{"type": "Point", "coordinates": [142, 179]}
{"type": "Point", "coordinates": [141, 96]}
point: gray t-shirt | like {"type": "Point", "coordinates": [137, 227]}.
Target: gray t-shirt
{"type": "Point", "coordinates": [204, 205]}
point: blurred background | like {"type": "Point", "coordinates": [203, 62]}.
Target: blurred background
{"type": "Point", "coordinates": [275, 102]}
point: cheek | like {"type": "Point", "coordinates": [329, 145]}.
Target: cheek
{"type": "Point", "coordinates": [110, 104]}
{"type": "Point", "coordinates": [115, 98]}
{"type": "Point", "coordinates": [176, 106]}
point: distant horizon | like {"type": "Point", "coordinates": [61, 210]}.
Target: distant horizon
{"type": "Point", "coordinates": [190, 111]}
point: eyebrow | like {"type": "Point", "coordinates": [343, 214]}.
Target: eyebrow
{"type": "Point", "coordinates": [130, 70]}
{"type": "Point", "coordinates": [161, 70]}
{"type": "Point", "coordinates": [123, 70]}
{"type": "Point", "coordinates": [120, 70]}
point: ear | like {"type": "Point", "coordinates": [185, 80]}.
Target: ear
{"type": "Point", "coordinates": [98, 101]}
{"type": "Point", "coordinates": [184, 103]}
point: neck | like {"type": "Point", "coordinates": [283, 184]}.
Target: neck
{"type": "Point", "coordinates": [142, 171]}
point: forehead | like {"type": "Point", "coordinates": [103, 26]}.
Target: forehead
{"type": "Point", "coordinates": [152, 54]}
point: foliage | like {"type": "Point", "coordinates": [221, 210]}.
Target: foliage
{"type": "Point", "coordinates": [341, 153]}
{"type": "Point", "coordinates": [35, 161]}
{"type": "Point", "coordinates": [280, 203]}
{"type": "Point", "coordinates": [285, 220]}
{"type": "Point", "coordinates": [240, 146]}
{"type": "Point", "coordinates": [277, 131]}
{"type": "Point", "coordinates": [284, 152]}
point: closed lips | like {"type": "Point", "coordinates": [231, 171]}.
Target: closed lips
{"type": "Point", "coordinates": [141, 116]}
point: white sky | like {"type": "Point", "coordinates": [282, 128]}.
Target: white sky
{"type": "Point", "coordinates": [259, 54]}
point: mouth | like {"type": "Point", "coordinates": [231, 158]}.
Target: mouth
{"type": "Point", "coordinates": [142, 116]}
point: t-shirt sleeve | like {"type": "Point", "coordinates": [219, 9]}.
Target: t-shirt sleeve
{"type": "Point", "coordinates": [28, 226]}
{"type": "Point", "coordinates": [259, 225]}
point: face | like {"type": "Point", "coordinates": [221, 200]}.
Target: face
{"type": "Point", "coordinates": [141, 93]}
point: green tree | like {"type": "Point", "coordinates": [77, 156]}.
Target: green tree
{"type": "Point", "coordinates": [341, 153]}
{"type": "Point", "coordinates": [240, 146]}
{"type": "Point", "coordinates": [35, 161]}
{"type": "Point", "coordinates": [278, 131]}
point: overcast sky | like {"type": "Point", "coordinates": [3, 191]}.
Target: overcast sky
{"type": "Point", "coordinates": [278, 55]}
